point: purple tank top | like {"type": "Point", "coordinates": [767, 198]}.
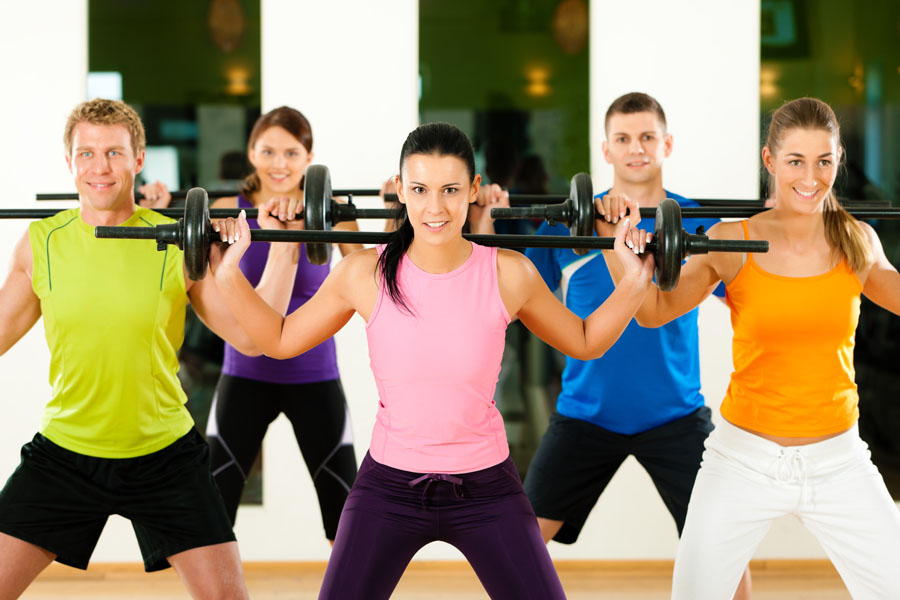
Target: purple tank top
{"type": "Point", "coordinates": [316, 364]}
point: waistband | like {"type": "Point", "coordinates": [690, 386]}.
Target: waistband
{"type": "Point", "coordinates": [833, 449]}
{"type": "Point", "coordinates": [436, 489]}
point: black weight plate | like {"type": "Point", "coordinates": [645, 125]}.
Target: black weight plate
{"type": "Point", "coordinates": [196, 235]}
{"type": "Point", "coordinates": [581, 205]}
{"type": "Point", "coordinates": [317, 202]}
{"type": "Point", "coordinates": [669, 236]}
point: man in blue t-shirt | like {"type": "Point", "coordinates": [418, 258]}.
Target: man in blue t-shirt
{"type": "Point", "coordinates": [662, 421]}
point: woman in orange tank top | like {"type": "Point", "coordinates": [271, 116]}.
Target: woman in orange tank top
{"type": "Point", "coordinates": [788, 441]}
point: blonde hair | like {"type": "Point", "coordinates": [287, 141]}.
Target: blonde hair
{"type": "Point", "coordinates": [845, 234]}
{"type": "Point", "coordinates": [100, 111]}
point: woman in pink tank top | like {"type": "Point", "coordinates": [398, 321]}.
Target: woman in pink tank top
{"type": "Point", "coordinates": [436, 308]}
{"type": "Point", "coordinates": [788, 441]}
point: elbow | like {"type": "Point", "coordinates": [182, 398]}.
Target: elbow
{"type": "Point", "coordinates": [591, 353]}
{"type": "Point", "coordinates": [651, 319]}
{"type": "Point", "coordinates": [653, 322]}
{"type": "Point", "coordinates": [247, 349]}
{"type": "Point", "coordinates": [275, 349]}
{"type": "Point", "coordinates": [648, 322]}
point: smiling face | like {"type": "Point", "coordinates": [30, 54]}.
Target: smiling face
{"type": "Point", "coordinates": [436, 190]}
{"type": "Point", "coordinates": [280, 160]}
{"type": "Point", "coordinates": [803, 168]}
{"type": "Point", "coordinates": [636, 145]}
{"type": "Point", "coordinates": [104, 165]}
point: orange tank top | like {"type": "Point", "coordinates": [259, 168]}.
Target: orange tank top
{"type": "Point", "coordinates": [793, 351]}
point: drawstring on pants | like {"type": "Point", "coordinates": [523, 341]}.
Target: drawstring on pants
{"type": "Point", "coordinates": [430, 478]}
{"type": "Point", "coordinates": [792, 467]}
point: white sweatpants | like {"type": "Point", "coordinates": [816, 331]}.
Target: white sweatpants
{"type": "Point", "coordinates": [832, 487]}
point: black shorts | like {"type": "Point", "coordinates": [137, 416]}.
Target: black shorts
{"type": "Point", "coordinates": [60, 500]}
{"type": "Point", "coordinates": [576, 460]}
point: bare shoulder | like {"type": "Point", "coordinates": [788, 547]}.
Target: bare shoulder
{"type": "Point", "coordinates": [724, 265]}
{"type": "Point", "coordinates": [357, 265]}
{"type": "Point", "coordinates": [726, 230]}
{"type": "Point", "coordinates": [513, 262]}
{"type": "Point", "coordinates": [514, 269]}
{"type": "Point", "coordinates": [871, 234]}
{"type": "Point", "coordinates": [225, 202]}
{"type": "Point", "coordinates": [22, 259]}
{"type": "Point", "coordinates": [877, 255]}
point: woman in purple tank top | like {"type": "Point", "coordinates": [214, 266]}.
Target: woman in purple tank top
{"type": "Point", "coordinates": [436, 307]}
{"type": "Point", "coordinates": [253, 390]}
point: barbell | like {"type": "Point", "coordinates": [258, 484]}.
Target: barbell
{"type": "Point", "coordinates": [182, 194]}
{"type": "Point", "coordinates": [577, 211]}
{"type": "Point", "coordinates": [193, 234]}
{"type": "Point", "coordinates": [320, 211]}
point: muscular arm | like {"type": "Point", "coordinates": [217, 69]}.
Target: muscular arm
{"type": "Point", "coordinates": [699, 277]}
{"type": "Point", "coordinates": [20, 308]}
{"type": "Point", "coordinates": [277, 280]}
{"type": "Point", "coordinates": [211, 308]}
{"type": "Point", "coordinates": [346, 249]}
{"type": "Point", "coordinates": [522, 287]}
{"type": "Point", "coordinates": [319, 318]}
{"type": "Point", "coordinates": [316, 320]}
{"type": "Point", "coordinates": [882, 284]}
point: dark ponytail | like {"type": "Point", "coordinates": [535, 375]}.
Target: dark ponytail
{"type": "Point", "coordinates": [441, 139]}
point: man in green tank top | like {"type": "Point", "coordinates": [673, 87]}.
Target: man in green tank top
{"type": "Point", "coordinates": [115, 436]}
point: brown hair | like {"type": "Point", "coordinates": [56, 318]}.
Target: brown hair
{"type": "Point", "coordinates": [289, 119]}
{"type": "Point", "coordinates": [635, 102]}
{"type": "Point", "coordinates": [845, 234]}
{"type": "Point", "coordinates": [100, 111]}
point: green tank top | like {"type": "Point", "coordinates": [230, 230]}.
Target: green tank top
{"type": "Point", "coordinates": [114, 320]}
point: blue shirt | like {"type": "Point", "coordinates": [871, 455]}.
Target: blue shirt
{"type": "Point", "coordinates": [650, 376]}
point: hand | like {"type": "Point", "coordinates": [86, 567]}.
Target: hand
{"type": "Point", "coordinates": [389, 187]}
{"type": "Point", "coordinates": [235, 239]}
{"type": "Point", "coordinates": [281, 213]}
{"type": "Point", "coordinates": [612, 209]}
{"type": "Point", "coordinates": [630, 246]}
{"type": "Point", "coordinates": [489, 196]}
{"type": "Point", "coordinates": [156, 195]}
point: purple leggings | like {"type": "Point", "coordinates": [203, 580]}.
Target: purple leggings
{"type": "Point", "coordinates": [390, 514]}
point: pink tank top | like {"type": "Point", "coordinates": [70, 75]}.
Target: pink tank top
{"type": "Point", "coordinates": [436, 368]}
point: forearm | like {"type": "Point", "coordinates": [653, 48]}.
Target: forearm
{"type": "Point", "coordinates": [653, 310]}
{"type": "Point", "coordinates": [604, 326]}
{"type": "Point", "coordinates": [262, 324]}
{"type": "Point", "coordinates": [482, 227]}
{"type": "Point", "coordinates": [347, 249]}
{"type": "Point", "coordinates": [277, 281]}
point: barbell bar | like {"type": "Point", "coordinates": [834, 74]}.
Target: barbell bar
{"type": "Point", "coordinates": [577, 212]}
{"type": "Point", "coordinates": [193, 234]}
{"type": "Point", "coordinates": [182, 194]}
{"type": "Point", "coordinates": [350, 214]}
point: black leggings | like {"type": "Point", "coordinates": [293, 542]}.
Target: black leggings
{"type": "Point", "coordinates": [241, 412]}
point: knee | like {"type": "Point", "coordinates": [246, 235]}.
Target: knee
{"type": "Point", "coordinates": [222, 590]}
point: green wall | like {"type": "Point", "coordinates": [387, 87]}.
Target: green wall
{"type": "Point", "coordinates": [165, 52]}
{"type": "Point", "coordinates": [474, 56]}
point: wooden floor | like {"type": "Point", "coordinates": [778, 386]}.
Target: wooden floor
{"type": "Point", "coordinates": [603, 580]}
